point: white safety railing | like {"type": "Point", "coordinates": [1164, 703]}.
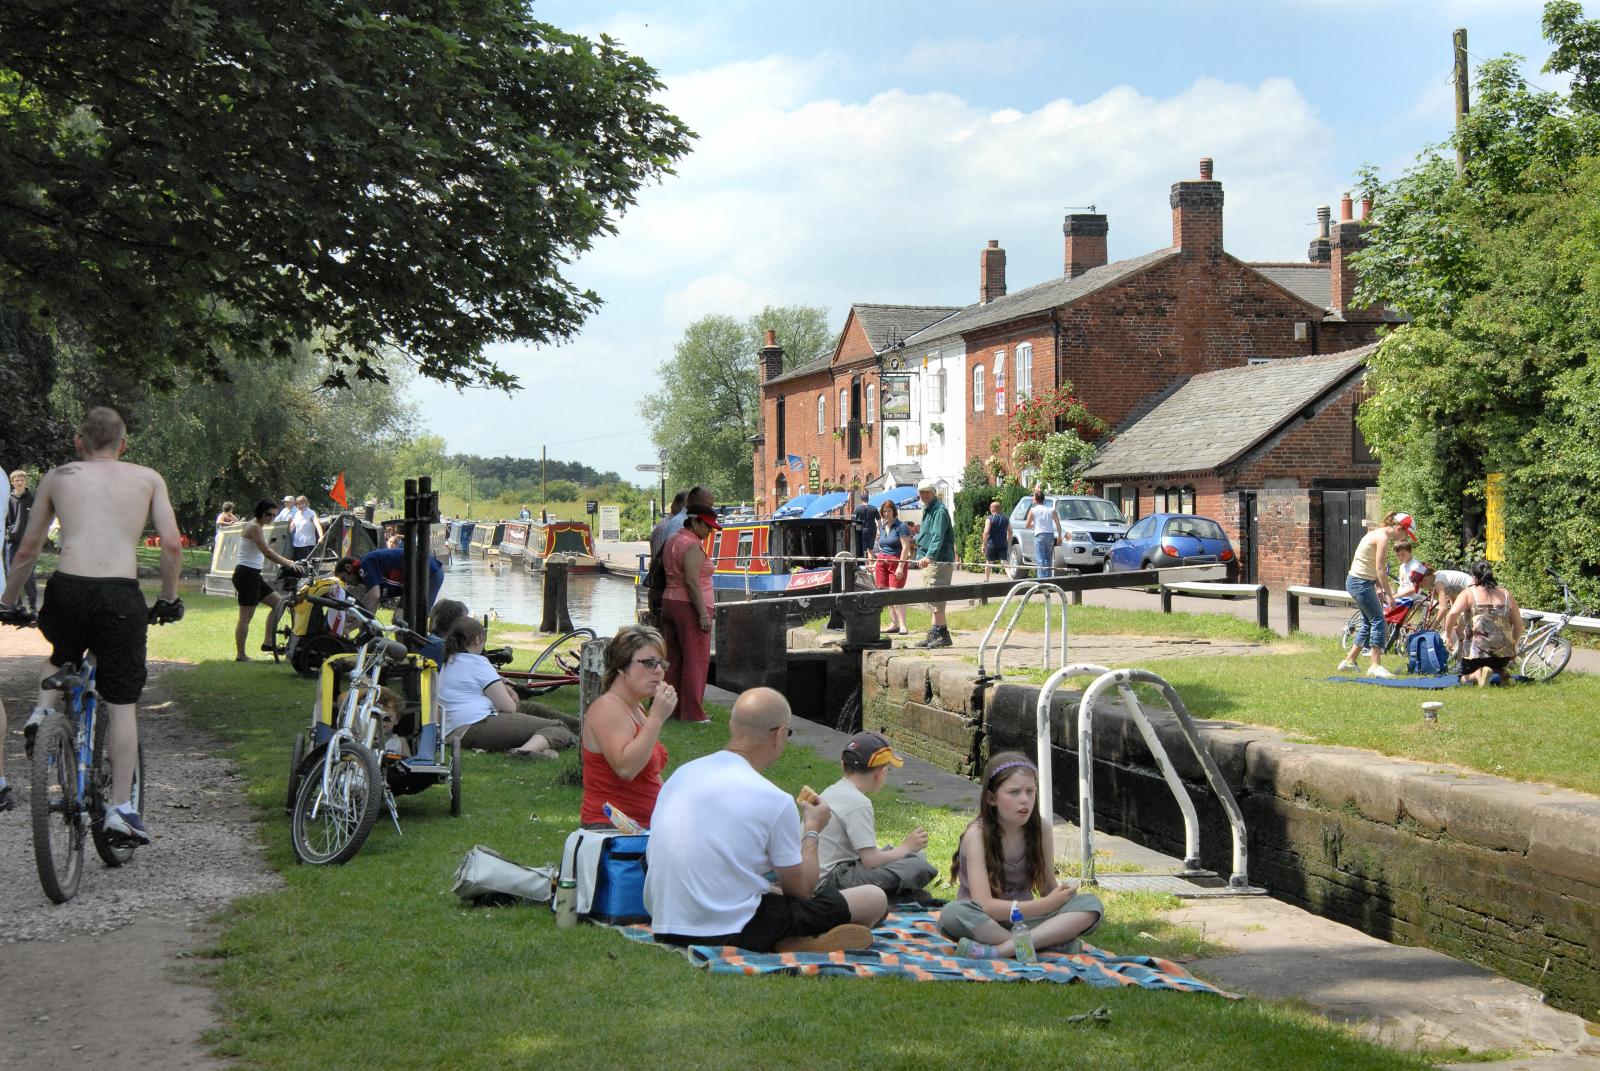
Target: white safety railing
{"type": "Point", "coordinates": [1123, 680]}
{"type": "Point", "coordinates": [1022, 593]}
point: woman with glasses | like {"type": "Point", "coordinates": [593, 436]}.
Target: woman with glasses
{"type": "Point", "coordinates": [686, 611]}
{"type": "Point", "coordinates": [623, 755]}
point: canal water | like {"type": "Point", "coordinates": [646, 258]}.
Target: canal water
{"type": "Point", "coordinates": [601, 601]}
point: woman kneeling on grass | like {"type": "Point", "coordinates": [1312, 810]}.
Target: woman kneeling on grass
{"type": "Point", "coordinates": [1492, 622]}
{"type": "Point", "coordinates": [1003, 862]}
{"type": "Point", "coordinates": [481, 708]}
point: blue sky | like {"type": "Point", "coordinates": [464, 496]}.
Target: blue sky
{"type": "Point", "coordinates": [865, 151]}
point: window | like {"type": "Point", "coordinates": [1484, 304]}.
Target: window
{"type": "Point", "coordinates": [741, 559]}
{"type": "Point", "coordinates": [844, 405]}
{"type": "Point", "coordinates": [872, 403]}
{"type": "Point", "coordinates": [937, 386]}
{"type": "Point", "coordinates": [1125, 499]}
{"type": "Point", "coordinates": [977, 388]}
{"type": "Point", "coordinates": [1166, 500]}
{"type": "Point", "coordinates": [1000, 382]}
{"type": "Point", "coordinates": [1143, 530]}
{"type": "Point", "coordinates": [1024, 384]}
{"type": "Point", "coordinates": [1186, 499]}
{"type": "Point", "coordinates": [822, 413]}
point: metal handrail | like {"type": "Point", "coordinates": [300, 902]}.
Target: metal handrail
{"type": "Point", "coordinates": [1123, 680]}
{"type": "Point", "coordinates": [1027, 589]}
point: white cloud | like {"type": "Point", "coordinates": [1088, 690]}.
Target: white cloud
{"type": "Point", "coordinates": [796, 194]}
{"type": "Point", "coordinates": [932, 58]}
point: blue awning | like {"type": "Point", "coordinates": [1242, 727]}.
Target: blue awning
{"type": "Point", "coordinates": [795, 506]}
{"type": "Point", "coordinates": [904, 498]}
{"type": "Point", "coordinates": [827, 504]}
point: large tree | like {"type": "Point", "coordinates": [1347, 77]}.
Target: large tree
{"type": "Point", "coordinates": [703, 416]}
{"type": "Point", "coordinates": [1497, 270]}
{"type": "Point", "coordinates": [185, 183]}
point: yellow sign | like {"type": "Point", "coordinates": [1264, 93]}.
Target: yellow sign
{"type": "Point", "coordinates": [1494, 496]}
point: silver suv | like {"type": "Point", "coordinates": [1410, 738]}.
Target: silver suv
{"type": "Point", "coordinates": [1089, 526]}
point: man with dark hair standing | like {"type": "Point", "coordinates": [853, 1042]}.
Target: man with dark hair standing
{"type": "Point", "coordinates": [93, 601]}
{"type": "Point", "coordinates": [865, 522]}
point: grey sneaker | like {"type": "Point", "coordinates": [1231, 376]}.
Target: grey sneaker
{"type": "Point", "coordinates": [930, 640]}
{"type": "Point", "coordinates": [940, 637]}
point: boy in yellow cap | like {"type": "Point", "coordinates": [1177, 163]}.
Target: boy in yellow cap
{"type": "Point", "coordinates": [849, 855]}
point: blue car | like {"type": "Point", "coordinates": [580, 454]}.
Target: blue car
{"type": "Point", "coordinates": [1162, 540]}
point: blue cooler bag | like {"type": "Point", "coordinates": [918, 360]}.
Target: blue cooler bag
{"type": "Point", "coordinates": [608, 868]}
{"type": "Point", "coordinates": [619, 886]}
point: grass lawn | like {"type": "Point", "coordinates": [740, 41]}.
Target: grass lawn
{"type": "Point", "coordinates": [375, 964]}
{"type": "Point", "coordinates": [1098, 621]}
{"type": "Point", "coordinates": [195, 559]}
{"type": "Point", "coordinates": [1530, 732]}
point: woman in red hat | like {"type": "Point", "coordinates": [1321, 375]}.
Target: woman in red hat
{"type": "Point", "coordinates": [1368, 584]}
{"type": "Point", "coordinates": [686, 612]}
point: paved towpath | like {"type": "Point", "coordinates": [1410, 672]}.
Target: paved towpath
{"type": "Point", "coordinates": [1403, 997]}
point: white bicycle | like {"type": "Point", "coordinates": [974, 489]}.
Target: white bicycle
{"type": "Point", "coordinates": [1544, 651]}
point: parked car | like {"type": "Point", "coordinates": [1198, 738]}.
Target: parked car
{"type": "Point", "coordinates": [1089, 526]}
{"type": "Point", "coordinates": [1162, 540]}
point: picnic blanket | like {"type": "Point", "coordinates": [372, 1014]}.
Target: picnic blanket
{"type": "Point", "coordinates": [1447, 680]}
{"type": "Point", "coordinates": [908, 944]}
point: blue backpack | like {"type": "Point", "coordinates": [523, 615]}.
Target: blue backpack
{"type": "Point", "coordinates": [1426, 654]}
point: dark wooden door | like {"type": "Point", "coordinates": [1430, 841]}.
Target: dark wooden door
{"type": "Point", "coordinates": [1342, 514]}
{"type": "Point", "coordinates": [1250, 536]}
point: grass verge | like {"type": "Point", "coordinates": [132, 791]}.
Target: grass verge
{"type": "Point", "coordinates": [375, 964]}
{"type": "Point", "coordinates": [1102, 621]}
{"type": "Point", "coordinates": [1528, 732]}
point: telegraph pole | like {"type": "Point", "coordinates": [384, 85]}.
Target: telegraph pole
{"type": "Point", "coordinates": [544, 478]}
{"type": "Point", "coordinates": [1463, 103]}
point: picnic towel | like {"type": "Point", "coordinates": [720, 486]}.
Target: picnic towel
{"type": "Point", "coordinates": [908, 944]}
{"type": "Point", "coordinates": [1447, 680]}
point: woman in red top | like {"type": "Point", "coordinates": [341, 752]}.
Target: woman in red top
{"type": "Point", "coordinates": [623, 755]}
{"type": "Point", "coordinates": [686, 612]}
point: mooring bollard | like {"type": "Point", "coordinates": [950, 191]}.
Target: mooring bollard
{"type": "Point", "coordinates": [591, 672]}
{"type": "Point", "coordinates": [557, 618]}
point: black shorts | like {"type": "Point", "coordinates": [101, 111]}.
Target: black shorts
{"type": "Point", "coordinates": [300, 554]}
{"type": "Point", "coordinates": [248, 583]}
{"type": "Point", "coordinates": [777, 918]}
{"type": "Point", "coordinates": [103, 614]}
{"type": "Point", "coordinates": [1496, 665]}
{"type": "Point", "coordinates": [994, 553]}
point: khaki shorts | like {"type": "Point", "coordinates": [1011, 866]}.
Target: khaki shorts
{"type": "Point", "coordinates": [939, 575]}
{"type": "Point", "coordinates": [504, 732]}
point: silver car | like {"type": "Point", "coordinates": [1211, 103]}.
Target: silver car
{"type": "Point", "coordinates": [1089, 526]}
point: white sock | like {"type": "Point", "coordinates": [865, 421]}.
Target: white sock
{"type": "Point", "coordinates": [2, 781]}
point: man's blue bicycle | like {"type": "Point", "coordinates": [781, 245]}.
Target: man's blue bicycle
{"type": "Point", "coordinates": [72, 783]}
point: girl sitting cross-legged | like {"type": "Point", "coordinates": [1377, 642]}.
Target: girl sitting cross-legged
{"type": "Point", "coordinates": [1003, 862]}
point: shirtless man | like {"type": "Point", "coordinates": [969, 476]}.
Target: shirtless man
{"type": "Point", "coordinates": [93, 601]}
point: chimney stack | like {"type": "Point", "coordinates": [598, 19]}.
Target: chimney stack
{"type": "Point", "coordinates": [771, 357]}
{"type": "Point", "coordinates": [1344, 208]}
{"type": "Point", "coordinates": [1321, 248]}
{"type": "Point", "coordinates": [1085, 234]}
{"type": "Point", "coordinates": [991, 273]}
{"type": "Point", "coordinates": [1197, 214]}
{"type": "Point", "coordinates": [1349, 237]}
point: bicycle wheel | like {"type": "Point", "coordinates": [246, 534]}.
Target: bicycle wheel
{"type": "Point", "coordinates": [1347, 639]}
{"type": "Point", "coordinates": [330, 827]}
{"type": "Point", "coordinates": [1548, 658]}
{"type": "Point", "coordinates": [114, 850]}
{"type": "Point", "coordinates": [57, 808]}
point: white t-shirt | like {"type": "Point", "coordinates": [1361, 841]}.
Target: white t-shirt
{"type": "Point", "coordinates": [1451, 582]}
{"type": "Point", "coordinates": [303, 528]}
{"type": "Point", "coordinates": [284, 514]}
{"type": "Point", "coordinates": [1042, 519]}
{"type": "Point", "coordinates": [460, 690]}
{"type": "Point", "coordinates": [718, 829]}
{"type": "Point", "coordinates": [852, 827]}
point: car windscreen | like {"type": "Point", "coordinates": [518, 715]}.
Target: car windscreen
{"type": "Point", "coordinates": [1088, 509]}
{"type": "Point", "coordinates": [1196, 527]}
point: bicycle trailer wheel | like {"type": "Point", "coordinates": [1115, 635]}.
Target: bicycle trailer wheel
{"type": "Point", "coordinates": [57, 809]}
{"type": "Point", "coordinates": [330, 823]}
{"type": "Point", "coordinates": [1549, 658]}
{"type": "Point", "coordinates": [114, 850]}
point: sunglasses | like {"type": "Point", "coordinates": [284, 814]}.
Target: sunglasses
{"type": "Point", "coordinates": [786, 732]}
{"type": "Point", "coordinates": [653, 663]}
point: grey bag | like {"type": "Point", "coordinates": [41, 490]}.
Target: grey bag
{"type": "Point", "coordinates": [486, 875]}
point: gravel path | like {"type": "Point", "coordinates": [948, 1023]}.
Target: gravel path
{"type": "Point", "coordinates": [95, 982]}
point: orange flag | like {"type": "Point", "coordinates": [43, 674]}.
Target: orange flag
{"type": "Point", "coordinates": [337, 492]}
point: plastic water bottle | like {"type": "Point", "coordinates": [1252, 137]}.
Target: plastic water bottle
{"type": "Point", "coordinates": [567, 904]}
{"type": "Point", "coordinates": [1021, 938]}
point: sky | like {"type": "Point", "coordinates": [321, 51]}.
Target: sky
{"type": "Point", "coordinates": [866, 151]}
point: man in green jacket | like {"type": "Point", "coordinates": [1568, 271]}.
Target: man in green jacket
{"type": "Point", "coordinates": [936, 551]}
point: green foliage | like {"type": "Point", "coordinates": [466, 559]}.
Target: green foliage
{"type": "Point", "coordinates": [971, 503]}
{"type": "Point", "coordinates": [1062, 458]}
{"type": "Point", "coordinates": [708, 405]}
{"type": "Point", "coordinates": [181, 182]}
{"type": "Point", "coordinates": [1499, 276]}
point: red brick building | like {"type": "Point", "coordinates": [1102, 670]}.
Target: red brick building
{"type": "Point", "coordinates": [1254, 447]}
{"type": "Point", "coordinates": [825, 411]}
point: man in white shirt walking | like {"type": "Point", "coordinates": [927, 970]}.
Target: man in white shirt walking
{"type": "Point", "coordinates": [720, 828]}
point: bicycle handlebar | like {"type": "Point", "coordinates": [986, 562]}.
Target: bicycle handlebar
{"type": "Point", "coordinates": [369, 620]}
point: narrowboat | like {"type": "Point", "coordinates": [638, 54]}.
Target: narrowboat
{"type": "Point", "coordinates": [572, 538]}
{"type": "Point", "coordinates": [486, 536]}
{"type": "Point", "coordinates": [463, 540]}
{"type": "Point", "coordinates": [514, 540]}
{"type": "Point", "coordinates": [774, 557]}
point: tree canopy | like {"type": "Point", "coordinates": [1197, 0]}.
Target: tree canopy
{"type": "Point", "coordinates": [709, 402]}
{"type": "Point", "coordinates": [1498, 272]}
{"type": "Point", "coordinates": [181, 184]}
